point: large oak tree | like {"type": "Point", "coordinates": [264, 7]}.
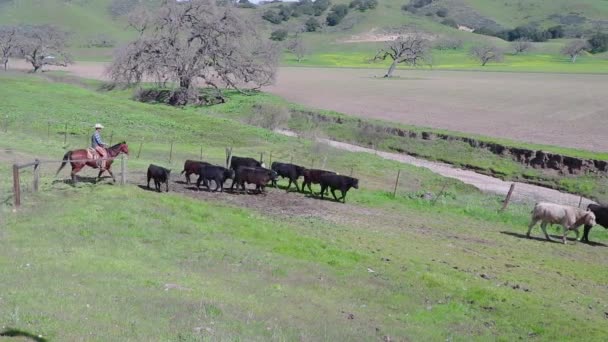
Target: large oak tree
{"type": "Point", "coordinates": [195, 43]}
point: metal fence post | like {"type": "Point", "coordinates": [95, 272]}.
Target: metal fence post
{"type": "Point", "coordinates": [16, 187]}
{"type": "Point", "coordinates": [36, 175]}
{"type": "Point", "coordinates": [123, 170]}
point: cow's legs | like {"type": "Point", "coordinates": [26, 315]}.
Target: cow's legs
{"type": "Point", "coordinates": [343, 196]}
{"type": "Point", "coordinates": [188, 177]}
{"type": "Point", "coordinates": [586, 233]}
{"type": "Point", "coordinates": [289, 185]}
{"type": "Point", "coordinates": [333, 192]}
{"type": "Point", "coordinates": [99, 175]}
{"type": "Point", "coordinates": [148, 186]}
{"type": "Point", "coordinates": [543, 226]}
{"type": "Point", "coordinates": [566, 231]}
{"type": "Point", "coordinates": [295, 182]}
{"type": "Point", "coordinates": [167, 183]}
{"type": "Point", "coordinates": [532, 224]}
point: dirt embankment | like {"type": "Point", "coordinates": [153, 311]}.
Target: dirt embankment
{"type": "Point", "coordinates": [535, 159]}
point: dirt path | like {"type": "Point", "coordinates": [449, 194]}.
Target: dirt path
{"type": "Point", "coordinates": [523, 192]}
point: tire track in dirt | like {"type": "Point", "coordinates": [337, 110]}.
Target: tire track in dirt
{"type": "Point", "coordinates": [523, 192]}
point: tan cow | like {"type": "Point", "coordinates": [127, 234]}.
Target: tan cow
{"type": "Point", "coordinates": [571, 218]}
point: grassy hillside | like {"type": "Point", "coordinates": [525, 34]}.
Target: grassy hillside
{"type": "Point", "coordinates": [352, 42]}
{"type": "Point", "coordinates": [103, 262]}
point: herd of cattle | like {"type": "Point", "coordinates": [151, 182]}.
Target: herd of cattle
{"type": "Point", "coordinates": [244, 170]}
{"type": "Point", "coordinates": [250, 171]}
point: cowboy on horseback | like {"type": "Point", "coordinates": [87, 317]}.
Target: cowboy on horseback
{"type": "Point", "coordinates": [98, 145]}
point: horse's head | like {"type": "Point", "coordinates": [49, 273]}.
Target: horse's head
{"type": "Point", "coordinates": [123, 147]}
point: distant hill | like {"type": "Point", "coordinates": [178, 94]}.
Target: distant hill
{"type": "Point", "coordinates": [357, 32]}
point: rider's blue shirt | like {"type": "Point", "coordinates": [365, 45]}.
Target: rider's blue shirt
{"type": "Point", "coordinates": [96, 140]}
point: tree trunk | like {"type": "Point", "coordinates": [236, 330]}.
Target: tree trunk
{"type": "Point", "coordinates": [391, 70]}
{"type": "Point", "coordinates": [574, 58]}
{"type": "Point", "coordinates": [6, 65]}
{"type": "Point", "coordinates": [483, 62]}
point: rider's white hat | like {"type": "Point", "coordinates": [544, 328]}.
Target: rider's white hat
{"type": "Point", "coordinates": [98, 126]}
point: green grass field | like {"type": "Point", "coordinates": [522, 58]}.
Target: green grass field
{"type": "Point", "coordinates": [104, 262]}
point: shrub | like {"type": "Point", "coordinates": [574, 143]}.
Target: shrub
{"type": "Point", "coordinates": [269, 116]}
{"type": "Point", "coordinates": [245, 4]}
{"type": "Point", "coordinates": [442, 12]}
{"type": "Point", "coordinates": [363, 5]}
{"type": "Point", "coordinates": [312, 25]}
{"type": "Point", "coordinates": [320, 6]}
{"type": "Point", "coordinates": [448, 44]}
{"type": "Point", "coordinates": [279, 35]}
{"type": "Point", "coordinates": [338, 12]}
{"type": "Point", "coordinates": [598, 43]}
{"type": "Point", "coordinates": [556, 31]}
{"type": "Point", "coordinates": [272, 16]}
{"type": "Point", "coordinates": [450, 22]}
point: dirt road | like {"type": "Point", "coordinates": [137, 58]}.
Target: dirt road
{"type": "Point", "coordinates": [523, 192]}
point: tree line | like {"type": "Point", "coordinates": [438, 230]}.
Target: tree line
{"type": "Point", "coordinates": [39, 45]}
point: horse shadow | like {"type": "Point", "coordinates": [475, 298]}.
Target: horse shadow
{"type": "Point", "coordinates": [151, 189]}
{"type": "Point", "coordinates": [21, 333]}
{"type": "Point", "coordinates": [81, 179]}
{"type": "Point", "coordinates": [558, 239]}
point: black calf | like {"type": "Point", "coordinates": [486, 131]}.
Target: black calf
{"type": "Point", "coordinates": [289, 171]}
{"type": "Point", "coordinates": [160, 175]}
{"type": "Point", "coordinates": [338, 182]}
{"type": "Point", "coordinates": [601, 218]}
{"type": "Point", "coordinates": [214, 173]}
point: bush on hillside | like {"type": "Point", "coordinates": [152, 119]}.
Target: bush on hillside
{"type": "Point", "coordinates": [119, 8]}
{"type": "Point", "coordinates": [269, 116]}
{"type": "Point", "coordinates": [448, 44]}
{"type": "Point", "coordinates": [414, 5]}
{"type": "Point", "coordinates": [312, 25]}
{"type": "Point", "coordinates": [598, 43]}
{"type": "Point", "coordinates": [320, 6]}
{"type": "Point", "coordinates": [100, 41]}
{"type": "Point", "coordinates": [279, 35]}
{"type": "Point", "coordinates": [450, 22]}
{"type": "Point", "coordinates": [363, 5]}
{"type": "Point", "coordinates": [245, 4]}
{"type": "Point", "coordinates": [338, 12]}
{"type": "Point", "coordinates": [442, 12]}
{"type": "Point", "coordinates": [272, 16]}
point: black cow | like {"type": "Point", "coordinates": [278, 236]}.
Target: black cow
{"type": "Point", "coordinates": [337, 182]}
{"type": "Point", "coordinates": [237, 162]}
{"type": "Point", "coordinates": [601, 218]}
{"type": "Point", "coordinates": [289, 171]}
{"type": "Point", "coordinates": [313, 176]}
{"type": "Point", "coordinates": [160, 175]}
{"type": "Point", "coordinates": [192, 166]}
{"type": "Point", "coordinates": [214, 173]}
{"type": "Point", "coordinates": [253, 175]}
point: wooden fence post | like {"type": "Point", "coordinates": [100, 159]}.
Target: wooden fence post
{"type": "Point", "coordinates": [16, 186]}
{"type": "Point", "coordinates": [201, 153]}
{"type": "Point", "coordinates": [312, 163]}
{"type": "Point", "coordinates": [228, 157]}
{"type": "Point", "coordinates": [111, 137]}
{"type": "Point", "coordinates": [508, 198]}
{"type": "Point", "coordinates": [270, 158]}
{"type": "Point", "coordinates": [123, 170]}
{"type": "Point", "coordinates": [396, 183]}
{"type": "Point", "coordinates": [261, 157]}
{"type": "Point", "coordinates": [291, 159]}
{"type": "Point", "coordinates": [171, 153]}
{"type": "Point", "coordinates": [580, 201]}
{"type": "Point", "coordinates": [352, 170]}
{"type": "Point", "coordinates": [65, 135]}
{"type": "Point", "coordinates": [140, 146]}
{"type": "Point", "coordinates": [36, 175]}
{"type": "Point", "coordinates": [48, 131]}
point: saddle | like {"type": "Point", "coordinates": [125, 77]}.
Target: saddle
{"type": "Point", "coordinates": [92, 154]}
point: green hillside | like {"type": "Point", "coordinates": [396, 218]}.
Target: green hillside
{"type": "Point", "coordinates": [353, 41]}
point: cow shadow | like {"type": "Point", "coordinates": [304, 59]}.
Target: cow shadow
{"type": "Point", "coordinates": [558, 239]}
{"type": "Point", "coordinates": [151, 189]}
{"type": "Point", "coordinates": [21, 333]}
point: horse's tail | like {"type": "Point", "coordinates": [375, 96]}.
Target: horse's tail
{"type": "Point", "coordinates": [66, 158]}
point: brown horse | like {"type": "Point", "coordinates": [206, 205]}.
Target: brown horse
{"type": "Point", "coordinates": [77, 159]}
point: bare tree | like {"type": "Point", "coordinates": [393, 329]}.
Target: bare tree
{"type": "Point", "coordinates": [42, 45]}
{"type": "Point", "coordinates": [8, 43]}
{"type": "Point", "coordinates": [521, 45]}
{"type": "Point", "coordinates": [298, 47]}
{"type": "Point", "coordinates": [574, 49]}
{"type": "Point", "coordinates": [487, 53]}
{"type": "Point", "coordinates": [196, 42]}
{"type": "Point", "coordinates": [409, 48]}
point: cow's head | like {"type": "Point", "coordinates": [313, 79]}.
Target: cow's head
{"type": "Point", "coordinates": [229, 174]}
{"type": "Point", "coordinates": [589, 218]}
{"type": "Point", "coordinates": [355, 183]}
